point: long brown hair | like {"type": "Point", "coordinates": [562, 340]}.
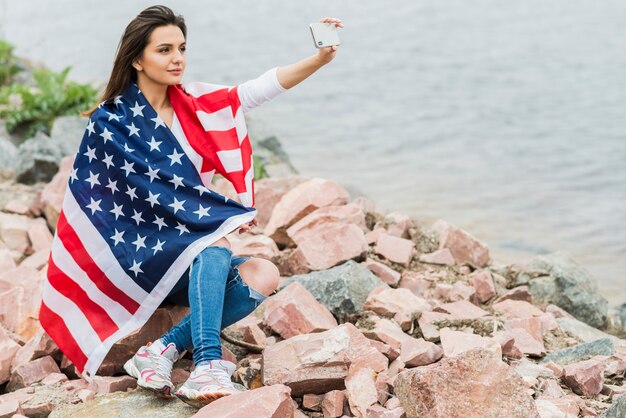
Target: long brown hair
{"type": "Point", "coordinates": [131, 46]}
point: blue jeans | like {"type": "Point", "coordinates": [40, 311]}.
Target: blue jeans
{"type": "Point", "coordinates": [217, 297]}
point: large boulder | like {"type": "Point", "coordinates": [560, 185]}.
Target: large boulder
{"type": "Point", "coordinates": [575, 290]}
{"type": "Point", "coordinates": [476, 384]}
{"type": "Point", "coordinates": [342, 289]}
{"type": "Point", "coordinates": [270, 401]}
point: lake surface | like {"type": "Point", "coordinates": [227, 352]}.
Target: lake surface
{"type": "Point", "coordinates": [507, 119]}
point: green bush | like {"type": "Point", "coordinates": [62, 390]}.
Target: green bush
{"type": "Point", "coordinates": [28, 109]}
{"type": "Point", "coordinates": [8, 63]}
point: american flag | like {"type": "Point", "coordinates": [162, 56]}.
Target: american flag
{"type": "Point", "coordinates": [138, 210]}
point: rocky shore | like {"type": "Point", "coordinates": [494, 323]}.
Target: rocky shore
{"type": "Point", "coordinates": [377, 315]}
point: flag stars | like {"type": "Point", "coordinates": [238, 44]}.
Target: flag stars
{"type": "Point", "coordinates": [158, 122]}
{"type": "Point", "coordinates": [152, 199]}
{"type": "Point", "coordinates": [201, 189]}
{"type": "Point", "coordinates": [131, 192]}
{"type": "Point", "coordinates": [117, 237]}
{"type": "Point", "coordinates": [90, 128]}
{"type": "Point", "coordinates": [158, 246]}
{"type": "Point", "coordinates": [152, 173]}
{"type": "Point", "coordinates": [93, 179]}
{"type": "Point", "coordinates": [94, 205]}
{"type": "Point", "coordinates": [182, 228]}
{"type": "Point", "coordinates": [133, 130]}
{"type": "Point", "coordinates": [136, 268]}
{"type": "Point", "coordinates": [159, 222]}
{"type": "Point", "coordinates": [176, 181]}
{"type": "Point", "coordinates": [113, 116]}
{"type": "Point", "coordinates": [118, 100]}
{"type": "Point", "coordinates": [107, 135]}
{"type": "Point", "coordinates": [137, 217]}
{"type": "Point", "coordinates": [91, 153]}
{"type": "Point", "coordinates": [137, 110]}
{"type": "Point", "coordinates": [108, 160]}
{"type": "Point", "coordinates": [139, 242]}
{"type": "Point", "coordinates": [128, 167]}
{"type": "Point", "coordinates": [113, 186]}
{"type": "Point", "coordinates": [128, 149]}
{"type": "Point", "coordinates": [177, 205]}
{"type": "Point", "coordinates": [175, 158]}
{"type": "Point", "coordinates": [73, 175]}
{"type": "Point", "coordinates": [117, 210]}
{"type": "Point", "coordinates": [202, 211]}
{"type": "Point", "coordinates": [154, 144]}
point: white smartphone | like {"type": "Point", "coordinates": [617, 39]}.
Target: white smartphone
{"type": "Point", "coordinates": [324, 34]}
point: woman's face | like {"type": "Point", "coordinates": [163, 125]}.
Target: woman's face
{"type": "Point", "coordinates": [163, 59]}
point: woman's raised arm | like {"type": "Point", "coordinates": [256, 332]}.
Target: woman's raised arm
{"type": "Point", "coordinates": [292, 74]}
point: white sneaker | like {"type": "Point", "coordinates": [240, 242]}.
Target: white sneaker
{"type": "Point", "coordinates": [207, 383]}
{"type": "Point", "coordinates": [152, 367]}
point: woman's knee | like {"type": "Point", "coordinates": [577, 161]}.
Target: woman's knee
{"type": "Point", "coordinates": [260, 274]}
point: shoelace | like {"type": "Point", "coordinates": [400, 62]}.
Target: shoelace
{"type": "Point", "coordinates": [163, 365]}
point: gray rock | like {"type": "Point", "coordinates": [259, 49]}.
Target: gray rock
{"type": "Point", "coordinates": [67, 132]}
{"type": "Point", "coordinates": [38, 159]}
{"type": "Point", "coordinates": [342, 289]}
{"type": "Point", "coordinates": [617, 409]}
{"type": "Point", "coordinates": [622, 312]}
{"type": "Point", "coordinates": [134, 403]}
{"type": "Point", "coordinates": [8, 153]}
{"type": "Point", "coordinates": [543, 289]}
{"type": "Point", "coordinates": [602, 347]}
{"type": "Point", "coordinates": [576, 290]}
{"type": "Point", "coordinates": [582, 331]}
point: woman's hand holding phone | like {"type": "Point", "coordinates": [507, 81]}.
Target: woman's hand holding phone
{"type": "Point", "coordinates": [326, 53]}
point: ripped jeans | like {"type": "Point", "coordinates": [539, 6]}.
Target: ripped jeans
{"type": "Point", "coordinates": [217, 297]}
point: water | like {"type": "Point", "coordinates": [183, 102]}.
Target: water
{"type": "Point", "coordinates": [503, 118]}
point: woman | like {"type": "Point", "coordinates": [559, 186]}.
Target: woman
{"type": "Point", "coordinates": [219, 288]}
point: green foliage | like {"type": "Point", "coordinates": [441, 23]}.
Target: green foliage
{"type": "Point", "coordinates": [8, 62]}
{"type": "Point", "coordinates": [28, 109]}
{"type": "Point", "coordinates": [259, 168]}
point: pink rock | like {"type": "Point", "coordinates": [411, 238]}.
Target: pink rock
{"type": "Point", "coordinates": [404, 319]}
{"type": "Point", "coordinates": [317, 363]}
{"type": "Point", "coordinates": [294, 311]}
{"type": "Point", "coordinates": [6, 260]}
{"type": "Point", "coordinates": [19, 306]}
{"type": "Point", "coordinates": [418, 352]}
{"type": "Point", "coordinates": [368, 206]}
{"type": "Point", "coordinates": [32, 372]}
{"type": "Point", "coordinates": [442, 256]}
{"type": "Point", "coordinates": [394, 249]}
{"type": "Point", "coordinates": [85, 394]}
{"type": "Point", "coordinates": [37, 408]}
{"type": "Point", "coordinates": [393, 403]}
{"type": "Point", "coordinates": [361, 389]}
{"type": "Point", "coordinates": [462, 309]}
{"type": "Point", "coordinates": [557, 369]}
{"type": "Point", "coordinates": [532, 325]}
{"type": "Point", "coordinates": [312, 402]}
{"type": "Point", "coordinates": [54, 378]}
{"type": "Point", "coordinates": [551, 389]}
{"type": "Point", "coordinates": [10, 408]}
{"type": "Point", "coordinates": [385, 349]}
{"type": "Point", "coordinates": [548, 323]}
{"type": "Point", "coordinates": [524, 342]}
{"type": "Point", "coordinates": [507, 343]}
{"type": "Point", "coordinates": [464, 247]}
{"type": "Point", "coordinates": [386, 331]}
{"type": "Point", "coordinates": [430, 331]}
{"type": "Point", "coordinates": [254, 246]}
{"type": "Point", "coordinates": [398, 224]}
{"type": "Point", "coordinates": [382, 386]}
{"type": "Point", "coordinates": [585, 377]}
{"type": "Point", "coordinates": [8, 349]}
{"type": "Point", "coordinates": [372, 236]}
{"type": "Point", "coordinates": [414, 282]}
{"type": "Point", "coordinates": [270, 401]}
{"type": "Point", "coordinates": [332, 404]}
{"type": "Point", "coordinates": [565, 407]}
{"type": "Point", "coordinates": [329, 245]}
{"type": "Point", "coordinates": [268, 192]}
{"type": "Point", "coordinates": [456, 342]}
{"type": "Point", "coordinates": [558, 312]}
{"type": "Point", "coordinates": [14, 231]}
{"type": "Point", "coordinates": [37, 260]}
{"type": "Point", "coordinates": [348, 213]}
{"type": "Point", "coordinates": [516, 309]}
{"type": "Point", "coordinates": [483, 284]}
{"type": "Point", "coordinates": [52, 194]}
{"type": "Point", "coordinates": [474, 384]}
{"type": "Point", "coordinates": [517, 293]}
{"type": "Point", "coordinates": [108, 384]}
{"type": "Point", "coordinates": [40, 345]}
{"type": "Point", "coordinates": [39, 235]}
{"type": "Point", "coordinates": [387, 302]}
{"type": "Point", "coordinates": [384, 273]}
{"type": "Point", "coordinates": [299, 202]}
{"type": "Point", "coordinates": [377, 411]}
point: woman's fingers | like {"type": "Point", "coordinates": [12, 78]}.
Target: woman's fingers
{"type": "Point", "coordinates": [338, 23]}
